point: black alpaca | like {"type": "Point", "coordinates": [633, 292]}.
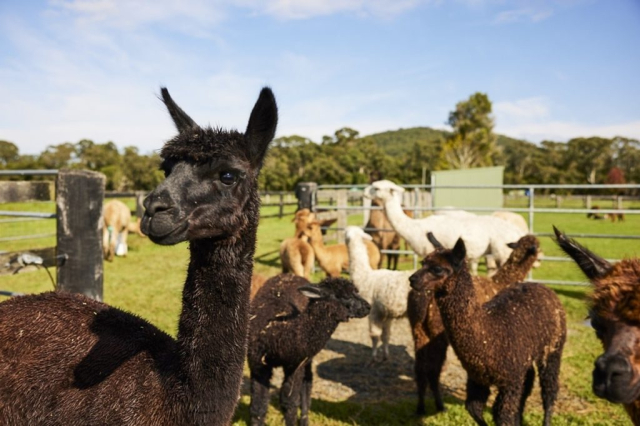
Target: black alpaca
{"type": "Point", "coordinates": [498, 342]}
{"type": "Point", "coordinates": [291, 321]}
{"type": "Point", "coordinates": [68, 360]}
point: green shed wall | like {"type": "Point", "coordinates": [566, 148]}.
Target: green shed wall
{"type": "Point", "coordinates": [469, 197]}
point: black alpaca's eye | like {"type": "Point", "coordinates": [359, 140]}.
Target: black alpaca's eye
{"type": "Point", "coordinates": [437, 270]}
{"type": "Point", "coordinates": [228, 178]}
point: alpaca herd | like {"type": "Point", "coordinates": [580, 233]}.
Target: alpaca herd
{"type": "Point", "coordinates": [66, 359]}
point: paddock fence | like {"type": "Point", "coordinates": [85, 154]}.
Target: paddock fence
{"type": "Point", "coordinates": [53, 224]}
{"type": "Point", "coordinates": [534, 202]}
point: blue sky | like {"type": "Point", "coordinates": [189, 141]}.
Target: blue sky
{"type": "Point", "coordinates": [73, 69]}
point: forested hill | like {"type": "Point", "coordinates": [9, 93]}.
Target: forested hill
{"type": "Point", "coordinates": [400, 142]}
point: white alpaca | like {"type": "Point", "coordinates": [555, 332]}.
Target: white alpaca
{"type": "Point", "coordinates": [482, 235]}
{"type": "Point", "coordinates": [513, 218]}
{"type": "Point", "coordinates": [384, 289]}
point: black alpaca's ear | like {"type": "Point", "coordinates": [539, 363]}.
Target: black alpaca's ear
{"type": "Point", "coordinates": [432, 239]}
{"type": "Point", "coordinates": [180, 118]}
{"type": "Point", "coordinates": [458, 254]}
{"type": "Point", "coordinates": [512, 245]}
{"type": "Point", "coordinates": [262, 125]}
{"type": "Point", "coordinates": [311, 291]}
{"type": "Point", "coordinates": [591, 264]}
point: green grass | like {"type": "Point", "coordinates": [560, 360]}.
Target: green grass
{"type": "Point", "coordinates": [149, 283]}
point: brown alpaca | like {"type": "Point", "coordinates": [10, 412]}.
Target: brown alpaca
{"type": "Point", "coordinates": [117, 219]}
{"type": "Point", "coordinates": [615, 317]}
{"type": "Point", "coordinates": [335, 258]}
{"type": "Point", "coordinates": [257, 281]}
{"type": "Point", "coordinates": [384, 237]}
{"type": "Point", "coordinates": [500, 341]}
{"type": "Point", "coordinates": [69, 360]}
{"type": "Point", "coordinates": [429, 337]}
{"type": "Point", "coordinates": [291, 322]}
{"type": "Point", "coordinates": [296, 254]}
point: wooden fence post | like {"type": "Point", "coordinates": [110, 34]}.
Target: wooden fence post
{"type": "Point", "coordinates": [140, 205]}
{"type": "Point", "coordinates": [281, 211]}
{"type": "Point", "coordinates": [306, 195]}
{"type": "Point", "coordinates": [343, 201]}
{"type": "Point", "coordinates": [79, 196]}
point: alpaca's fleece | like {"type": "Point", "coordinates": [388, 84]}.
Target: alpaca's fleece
{"type": "Point", "coordinates": [385, 290]}
{"type": "Point", "coordinates": [482, 234]}
{"type": "Point", "coordinates": [616, 296]}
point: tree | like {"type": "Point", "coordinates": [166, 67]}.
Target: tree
{"type": "Point", "coordinates": [473, 143]}
{"type": "Point", "coordinates": [8, 153]}
{"type": "Point", "coordinates": [58, 156]}
{"type": "Point", "coordinates": [590, 156]}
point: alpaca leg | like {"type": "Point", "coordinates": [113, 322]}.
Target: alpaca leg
{"type": "Point", "coordinates": [290, 394]}
{"type": "Point", "coordinates": [505, 409]}
{"type": "Point", "coordinates": [428, 366]}
{"type": "Point", "coordinates": [437, 355]}
{"type": "Point", "coordinates": [375, 331]}
{"type": "Point", "coordinates": [473, 266]}
{"type": "Point", "coordinates": [394, 260]}
{"type": "Point", "coordinates": [260, 378]}
{"type": "Point", "coordinates": [549, 373]}
{"type": "Point", "coordinates": [477, 396]}
{"type": "Point", "coordinates": [386, 336]}
{"type": "Point", "coordinates": [528, 385]}
{"type": "Point", "coordinates": [307, 384]}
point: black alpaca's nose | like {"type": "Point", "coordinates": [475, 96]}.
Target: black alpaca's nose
{"type": "Point", "coordinates": [155, 204]}
{"type": "Point", "coordinates": [609, 374]}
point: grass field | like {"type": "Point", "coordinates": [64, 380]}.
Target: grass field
{"type": "Point", "coordinates": [149, 282]}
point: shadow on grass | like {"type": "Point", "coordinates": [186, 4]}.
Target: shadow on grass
{"type": "Point", "coordinates": [271, 259]}
{"type": "Point", "coordinates": [570, 293]}
{"type": "Point", "coordinates": [355, 371]}
{"type": "Point", "coordinates": [348, 412]}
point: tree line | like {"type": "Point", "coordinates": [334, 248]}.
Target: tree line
{"type": "Point", "coordinates": [405, 155]}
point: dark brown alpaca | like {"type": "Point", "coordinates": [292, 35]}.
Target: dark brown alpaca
{"type": "Point", "coordinates": [429, 337]}
{"type": "Point", "coordinates": [498, 342]}
{"type": "Point", "coordinates": [615, 317]}
{"type": "Point", "coordinates": [291, 322]}
{"type": "Point", "coordinates": [69, 360]}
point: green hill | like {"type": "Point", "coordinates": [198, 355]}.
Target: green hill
{"type": "Point", "coordinates": [400, 142]}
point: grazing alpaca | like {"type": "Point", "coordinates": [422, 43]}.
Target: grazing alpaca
{"type": "Point", "coordinates": [115, 228]}
{"type": "Point", "coordinates": [383, 236]}
{"type": "Point", "coordinates": [384, 289]}
{"type": "Point", "coordinates": [291, 321]}
{"type": "Point", "coordinates": [335, 258]}
{"type": "Point", "coordinates": [429, 337]}
{"type": "Point", "coordinates": [296, 254]}
{"type": "Point", "coordinates": [615, 315]}
{"type": "Point", "coordinates": [481, 234]}
{"type": "Point", "coordinates": [498, 342]}
{"type": "Point", "coordinates": [69, 360]}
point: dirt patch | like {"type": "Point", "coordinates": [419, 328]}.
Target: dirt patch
{"type": "Point", "coordinates": [343, 371]}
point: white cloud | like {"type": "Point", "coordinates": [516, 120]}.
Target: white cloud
{"type": "Point", "coordinates": [127, 14]}
{"type": "Point", "coordinates": [530, 119]}
{"type": "Point", "coordinates": [565, 130]}
{"type": "Point", "coordinates": [527, 109]}
{"type": "Point", "coordinates": [525, 14]}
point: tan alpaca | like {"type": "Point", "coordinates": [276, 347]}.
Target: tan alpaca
{"type": "Point", "coordinates": [335, 258]}
{"type": "Point", "coordinates": [117, 219]}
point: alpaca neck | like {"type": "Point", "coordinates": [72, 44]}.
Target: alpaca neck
{"type": "Point", "coordinates": [406, 227]}
{"type": "Point", "coordinates": [512, 273]}
{"type": "Point", "coordinates": [461, 313]}
{"type": "Point", "coordinates": [319, 248]}
{"type": "Point", "coordinates": [318, 325]}
{"type": "Point", "coordinates": [359, 266]}
{"type": "Point", "coordinates": [213, 325]}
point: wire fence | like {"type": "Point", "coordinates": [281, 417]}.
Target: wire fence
{"type": "Point", "coordinates": [597, 209]}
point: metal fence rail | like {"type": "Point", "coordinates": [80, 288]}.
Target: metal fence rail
{"type": "Point", "coordinates": [530, 210]}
